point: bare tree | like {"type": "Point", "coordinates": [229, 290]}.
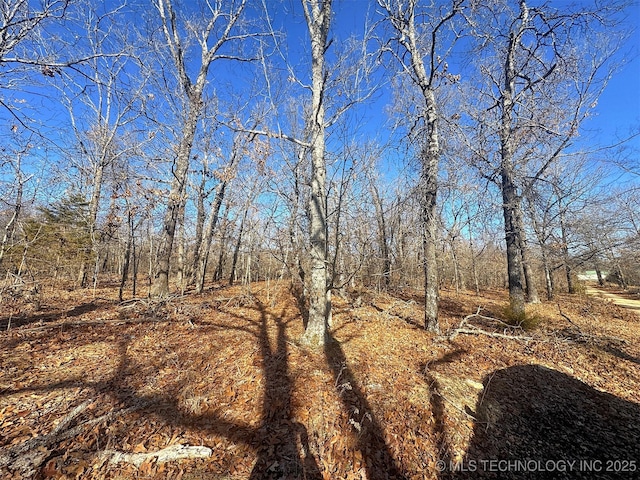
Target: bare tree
{"type": "Point", "coordinates": [318, 19]}
{"type": "Point", "coordinates": [383, 232]}
{"type": "Point", "coordinates": [543, 70]}
{"type": "Point", "coordinates": [214, 34]}
{"type": "Point", "coordinates": [239, 149]}
{"type": "Point", "coordinates": [425, 42]}
{"type": "Point", "coordinates": [13, 196]}
{"type": "Point", "coordinates": [102, 96]}
{"type": "Point", "coordinates": [20, 25]}
{"type": "Point", "coordinates": [324, 110]}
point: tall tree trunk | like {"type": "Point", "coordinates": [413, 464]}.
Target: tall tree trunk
{"type": "Point", "coordinates": [136, 264]}
{"type": "Point", "coordinates": [510, 200]}
{"type": "Point", "coordinates": [127, 255]}
{"type": "Point", "coordinates": [236, 250]}
{"type": "Point", "coordinates": [217, 275]}
{"type": "Point", "coordinates": [571, 288]}
{"type": "Point", "coordinates": [94, 204]}
{"type": "Point", "coordinates": [205, 245]}
{"type": "Point", "coordinates": [430, 239]}
{"type": "Point", "coordinates": [429, 184]}
{"type": "Point", "coordinates": [382, 235]}
{"type": "Point", "coordinates": [181, 277]}
{"type": "Point", "coordinates": [511, 207]}
{"type": "Point", "coordinates": [160, 286]}
{"type": "Point", "coordinates": [548, 275]}
{"type": "Point", "coordinates": [318, 18]}
{"type": "Point", "coordinates": [530, 285]}
{"type": "Point", "coordinates": [200, 217]}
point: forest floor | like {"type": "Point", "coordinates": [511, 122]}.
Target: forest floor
{"type": "Point", "coordinates": [217, 386]}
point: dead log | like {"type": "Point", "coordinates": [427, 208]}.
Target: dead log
{"type": "Point", "coordinates": [168, 454]}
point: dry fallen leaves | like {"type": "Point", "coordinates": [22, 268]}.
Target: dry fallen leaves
{"type": "Point", "coordinates": [225, 371]}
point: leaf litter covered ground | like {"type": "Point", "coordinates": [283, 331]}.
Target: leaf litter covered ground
{"type": "Point", "coordinates": [94, 388]}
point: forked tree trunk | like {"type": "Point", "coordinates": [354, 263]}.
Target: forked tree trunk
{"type": "Point", "coordinates": [236, 250]}
{"type": "Point", "coordinates": [213, 36]}
{"type": "Point", "coordinates": [205, 245]}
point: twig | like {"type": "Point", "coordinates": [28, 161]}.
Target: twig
{"type": "Point", "coordinates": [567, 318]}
{"type": "Point", "coordinates": [450, 402]}
{"type": "Point", "coordinates": [484, 392]}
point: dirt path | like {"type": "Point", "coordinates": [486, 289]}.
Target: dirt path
{"type": "Point", "coordinates": [633, 305]}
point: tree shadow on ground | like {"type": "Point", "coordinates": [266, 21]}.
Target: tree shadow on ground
{"type": "Point", "coordinates": [280, 444]}
{"type": "Point", "coordinates": [620, 353]}
{"type": "Point", "coordinates": [49, 317]}
{"type": "Point", "coordinates": [366, 431]}
{"type": "Point", "coordinates": [437, 402]}
{"type": "Point", "coordinates": [608, 345]}
{"type": "Point", "coordinates": [540, 420]}
{"type": "Point", "coordinates": [446, 306]}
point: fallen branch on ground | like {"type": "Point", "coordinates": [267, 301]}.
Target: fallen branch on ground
{"type": "Point", "coordinates": [581, 336]}
{"type": "Point", "coordinates": [477, 331]}
{"type": "Point", "coordinates": [469, 329]}
{"type": "Point", "coordinates": [27, 456]}
{"type": "Point", "coordinates": [171, 453]}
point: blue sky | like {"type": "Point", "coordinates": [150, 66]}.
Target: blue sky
{"type": "Point", "coordinates": [616, 117]}
{"type": "Point", "coordinates": [618, 110]}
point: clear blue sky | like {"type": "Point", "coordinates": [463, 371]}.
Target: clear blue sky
{"type": "Point", "coordinates": [617, 115]}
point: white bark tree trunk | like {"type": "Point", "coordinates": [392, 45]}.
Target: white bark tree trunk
{"type": "Point", "coordinates": [403, 19]}
{"type": "Point", "coordinates": [318, 17]}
